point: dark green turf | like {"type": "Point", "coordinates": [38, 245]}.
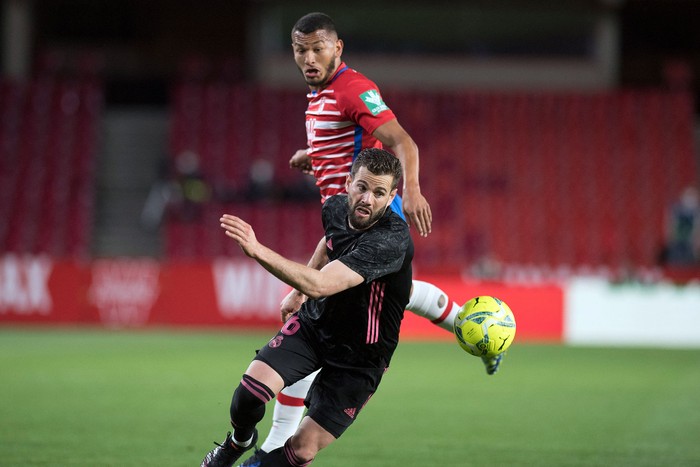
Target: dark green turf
{"type": "Point", "coordinates": [98, 398]}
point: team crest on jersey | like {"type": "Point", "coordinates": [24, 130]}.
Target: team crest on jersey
{"type": "Point", "coordinates": [374, 102]}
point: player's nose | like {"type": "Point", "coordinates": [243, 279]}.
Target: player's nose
{"type": "Point", "coordinates": [309, 58]}
{"type": "Point", "coordinates": [368, 198]}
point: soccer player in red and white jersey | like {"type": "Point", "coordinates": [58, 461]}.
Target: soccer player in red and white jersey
{"type": "Point", "coordinates": [345, 114]}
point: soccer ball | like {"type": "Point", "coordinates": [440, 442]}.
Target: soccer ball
{"type": "Point", "coordinates": [485, 326]}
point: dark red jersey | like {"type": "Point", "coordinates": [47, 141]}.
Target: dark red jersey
{"type": "Point", "coordinates": [340, 120]}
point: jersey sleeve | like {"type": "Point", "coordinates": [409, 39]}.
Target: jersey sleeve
{"type": "Point", "coordinates": [362, 103]}
{"type": "Point", "coordinates": [379, 252]}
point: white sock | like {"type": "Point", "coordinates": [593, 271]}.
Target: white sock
{"type": "Point", "coordinates": [433, 304]}
{"type": "Point", "coordinates": [288, 412]}
{"type": "Point", "coordinates": [243, 444]}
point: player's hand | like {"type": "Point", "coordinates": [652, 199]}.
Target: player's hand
{"type": "Point", "coordinates": [417, 211]}
{"type": "Point", "coordinates": [291, 304]}
{"type": "Point", "coordinates": [301, 160]}
{"type": "Point", "coordinates": [241, 232]}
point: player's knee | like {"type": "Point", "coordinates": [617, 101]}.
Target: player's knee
{"type": "Point", "coordinates": [299, 453]}
{"type": "Point", "coordinates": [248, 402]}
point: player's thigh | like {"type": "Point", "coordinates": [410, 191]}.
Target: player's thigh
{"type": "Point", "coordinates": [338, 395]}
{"type": "Point", "coordinates": [267, 375]}
{"type": "Point", "coordinates": [290, 354]}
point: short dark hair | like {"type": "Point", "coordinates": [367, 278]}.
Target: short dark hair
{"type": "Point", "coordinates": [379, 162]}
{"type": "Point", "coordinates": [313, 22]}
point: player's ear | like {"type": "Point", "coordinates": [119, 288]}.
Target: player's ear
{"type": "Point", "coordinates": [348, 182]}
{"type": "Point", "coordinates": [339, 47]}
{"type": "Point", "coordinates": [392, 195]}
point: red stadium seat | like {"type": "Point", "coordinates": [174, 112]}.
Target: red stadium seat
{"type": "Point", "coordinates": [552, 179]}
{"type": "Point", "coordinates": [47, 150]}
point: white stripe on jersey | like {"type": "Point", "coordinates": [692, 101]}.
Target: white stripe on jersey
{"type": "Point", "coordinates": [330, 176]}
{"type": "Point", "coordinates": [333, 166]}
{"type": "Point", "coordinates": [321, 125]}
{"type": "Point", "coordinates": [345, 147]}
{"type": "Point", "coordinates": [324, 112]}
{"type": "Point", "coordinates": [332, 137]}
{"type": "Point", "coordinates": [334, 156]}
{"type": "Point", "coordinates": [327, 96]}
{"type": "Point", "coordinates": [324, 91]}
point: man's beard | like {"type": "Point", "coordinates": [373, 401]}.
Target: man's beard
{"type": "Point", "coordinates": [363, 223]}
{"type": "Point", "coordinates": [330, 69]}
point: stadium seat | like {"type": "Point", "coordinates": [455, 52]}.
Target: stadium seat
{"type": "Point", "coordinates": [557, 179]}
{"type": "Point", "coordinates": [47, 142]}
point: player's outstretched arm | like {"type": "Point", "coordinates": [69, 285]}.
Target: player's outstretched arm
{"type": "Point", "coordinates": [293, 300]}
{"type": "Point", "coordinates": [334, 277]}
{"type": "Point", "coordinates": [415, 206]}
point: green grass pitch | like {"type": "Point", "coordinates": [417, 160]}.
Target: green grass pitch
{"type": "Point", "coordinates": [80, 397]}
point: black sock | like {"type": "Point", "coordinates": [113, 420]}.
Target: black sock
{"type": "Point", "coordinates": [283, 457]}
{"type": "Point", "coordinates": [248, 406]}
{"type": "Point", "coordinates": [275, 458]}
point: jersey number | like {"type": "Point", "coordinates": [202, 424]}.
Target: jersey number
{"type": "Point", "coordinates": [291, 326]}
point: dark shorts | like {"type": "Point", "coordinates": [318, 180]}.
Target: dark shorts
{"type": "Point", "coordinates": [337, 394]}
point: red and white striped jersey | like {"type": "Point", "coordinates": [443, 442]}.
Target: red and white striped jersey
{"type": "Point", "coordinates": [340, 120]}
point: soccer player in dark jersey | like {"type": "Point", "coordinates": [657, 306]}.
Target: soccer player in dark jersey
{"type": "Point", "coordinates": [349, 325]}
{"type": "Point", "coordinates": [345, 114]}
